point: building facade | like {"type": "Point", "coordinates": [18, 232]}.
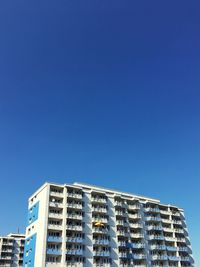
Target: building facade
{"type": "Point", "coordinates": [12, 250]}
{"type": "Point", "coordinates": [83, 226]}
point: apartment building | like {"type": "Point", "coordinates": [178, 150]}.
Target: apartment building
{"type": "Point", "coordinates": [81, 225]}
{"type": "Point", "coordinates": [12, 250]}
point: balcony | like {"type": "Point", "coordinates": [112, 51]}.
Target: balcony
{"type": "Point", "coordinates": [55, 226]}
{"type": "Point", "coordinates": [56, 194]}
{"type": "Point", "coordinates": [55, 215]}
{"type": "Point", "coordinates": [120, 213]}
{"type": "Point", "coordinates": [122, 243]}
{"type": "Point", "coordinates": [134, 235]}
{"type": "Point", "coordinates": [184, 259]}
{"type": "Point", "coordinates": [7, 250]}
{"type": "Point", "coordinates": [156, 237]}
{"type": "Point", "coordinates": [166, 220]}
{"type": "Point", "coordinates": [55, 204]}
{"type": "Point", "coordinates": [121, 233]}
{"type": "Point", "coordinates": [159, 257]}
{"type": "Point", "coordinates": [133, 207]}
{"type": "Point", "coordinates": [72, 264]}
{"type": "Point", "coordinates": [78, 252]}
{"type": "Point", "coordinates": [101, 265]}
{"type": "Point", "coordinates": [177, 222]}
{"type": "Point", "coordinates": [99, 200]}
{"type": "Point", "coordinates": [152, 210]}
{"type": "Point", "coordinates": [54, 239]}
{"type": "Point", "coordinates": [51, 251]}
{"type": "Point", "coordinates": [165, 212]}
{"type": "Point", "coordinates": [170, 248]}
{"type": "Point", "coordinates": [101, 242]}
{"type": "Point", "coordinates": [74, 239]}
{"type": "Point", "coordinates": [99, 210]}
{"type": "Point", "coordinates": [156, 219]}
{"type": "Point", "coordinates": [170, 238]}
{"type": "Point", "coordinates": [135, 225]}
{"type": "Point", "coordinates": [136, 245]}
{"type": "Point", "coordinates": [182, 240]}
{"type": "Point", "coordinates": [184, 249]}
{"type": "Point", "coordinates": [75, 206]}
{"type": "Point", "coordinates": [102, 253]}
{"type": "Point", "coordinates": [100, 219]}
{"type": "Point", "coordinates": [118, 222]}
{"type": "Point", "coordinates": [123, 255]}
{"type": "Point", "coordinates": [74, 227]}
{"type": "Point", "coordinates": [119, 204]}
{"type": "Point", "coordinates": [158, 247]}
{"type": "Point", "coordinates": [180, 231]}
{"type": "Point", "coordinates": [134, 216]}
{"type": "Point", "coordinates": [173, 258]}
{"type": "Point", "coordinates": [154, 227]}
{"type": "Point", "coordinates": [75, 196]}
{"type": "Point", "coordinates": [99, 230]}
{"type": "Point", "coordinates": [167, 229]}
{"type": "Point", "coordinates": [74, 216]}
{"type": "Point", "coordinates": [136, 256]}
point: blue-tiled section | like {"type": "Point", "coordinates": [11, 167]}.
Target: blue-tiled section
{"type": "Point", "coordinates": [33, 213]}
{"type": "Point", "coordinates": [29, 251]}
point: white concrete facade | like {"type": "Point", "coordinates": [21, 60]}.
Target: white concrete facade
{"type": "Point", "coordinates": [83, 226]}
{"type": "Point", "coordinates": [12, 250]}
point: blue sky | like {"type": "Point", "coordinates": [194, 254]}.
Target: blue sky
{"type": "Point", "coordinates": [102, 92]}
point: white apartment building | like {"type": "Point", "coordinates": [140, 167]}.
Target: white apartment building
{"type": "Point", "coordinates": [83, 226]}
{"type": "Point", "coordinates": [12, 250]}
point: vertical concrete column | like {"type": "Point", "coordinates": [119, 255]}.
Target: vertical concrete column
{"type": "Point", "coordinates": [88, 241]}
{"type": "Point", "coordinates": [64, 226]}
{"type": "Point", "coordinates": [113, 232]}
{"type": "Point", "coordinates": [144, 231]}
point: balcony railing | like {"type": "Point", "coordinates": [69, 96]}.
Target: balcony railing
{"type": "Point", "coordinates": [74, 227]}
{"type": "Point", "coordinates": [136, 256]}
{"type": "Point", "coordinates": [170, 238]}
{"type": "Point", "coordinates": [74, 206]}
{"type": "Point", "coordinates": [152, 210]}
{"type": "Point", "coordinates": [170, 248]}
{"type": "Point", "coordinates": [133, 207]}
{"type": "Point", "coordinates": [154, 227]}
{"type": "Point", "coordinates": [157, 219]}
{"type": "Point", "coordinates": [55, 204]}
{"type": "Point", "coordinates": [100, 200]}
{"type": "Point", "coordinates": [55, 226]}
{"type": "Point", "coordinates": [135, 225]}
{"type": "Point", "coordinates": [101, 210]}
{"type": "Point", "coordinates": [159, 257]}
{"type": "Point", "coordinates": [74, 239]}
{"type": "Point", "coordinates": [74, 216]}
{"type": "Point", "coordinates": [156, 237]}
{"type": "Point", "coordinates": [74, 252]}
{"type": "Point", "coordinates": [185, 249]}
{"type": "Point", "coordinates": [73, 195]}
{"type": "Point", "coordinates": [173, 258]}
{"type": "Point", "coordinates": [54, 251]}
{"type": "Point", "coordinates": [136, 245]}
{"type": "Point", "coordinates": [55, 215]}
{"type": "Point", "coordinates": [101, 242]}
{"type": "Point", "coordinates": [158, 247]}
{"type": "Point", "coordinates": [134, 235]}
{"type": "Point", "coordinates": [134, 216]}
{"type": "Point", "coordinates": [102, 253]}
{"type": "Point", "coordinates": [54, 239]}
{"type": "Point", "coordinates": [56, 194]}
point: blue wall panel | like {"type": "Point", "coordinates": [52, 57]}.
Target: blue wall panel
{"type": "Point", "coordinates": [29, 251]}
{"type": "Point", "coordinates": [33, 213]}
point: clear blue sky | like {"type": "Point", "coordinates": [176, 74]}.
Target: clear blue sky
{"type": "Point", "coordinates": [103, 92]}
